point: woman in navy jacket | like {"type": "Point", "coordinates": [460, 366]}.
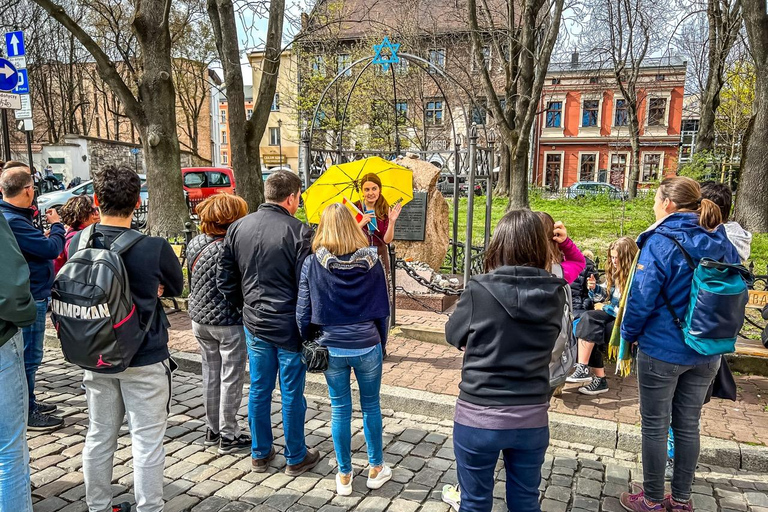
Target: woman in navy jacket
{"type": "Point", "coordinates": [673, 378]}
{"type": "Point", "coordinates": [343, 300]}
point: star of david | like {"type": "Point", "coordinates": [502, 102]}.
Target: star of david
{"type": "Point", "coordinates": [385, 60]}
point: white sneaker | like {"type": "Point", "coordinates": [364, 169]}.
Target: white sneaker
{"type": "Point", "coordinates": [452, 496]}
{"type": "Point", "coordinates": [341, 489]}
{"type": "Point", "coordinates": [383, 476]}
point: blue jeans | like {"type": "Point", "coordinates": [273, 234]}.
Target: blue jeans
{"type": "Point", "coordinates": [477, 451]}
{"type": "Point", "coordinates": [266, 362]}
{"type": "Point", "coordinates": [15, 491]}
{"type": "Point", "coordinates": [368, 374]}
{"type": "Point", "coordinates": [673, 392]}
{"type": "Point", "coordinates": [34, 335]}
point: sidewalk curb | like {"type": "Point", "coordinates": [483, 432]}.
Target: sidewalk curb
{"type": "Point", "coordinates": [563, 427]}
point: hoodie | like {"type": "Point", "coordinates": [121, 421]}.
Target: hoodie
{"type": "Point", "coordinates": [507, 322]}
{"type": "Point", "coordinates": [740, 238]}
{"type": "Point", "coordinates": [343, 299]}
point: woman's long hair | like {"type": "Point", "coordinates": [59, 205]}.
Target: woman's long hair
{"type": "Point", "coordinates": [555, 256]}
{"type": "Point", "coordinates": [617, 276]}
{"type": "Point", "coordinates": [519, 240]}
{"type": "Point", "coordinates": [338, 232]}
{"type": "Point", "coordinates": [77, 211]}
{"type": "Point", "coordinates": [217, 212]}
{"type": "Point", "coordinates": [382, 206]}
{"type": "Point", "coordinates": [686, 194]}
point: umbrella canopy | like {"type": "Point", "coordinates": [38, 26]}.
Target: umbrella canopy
{"type": "Point", "coordinates": [344, 181]}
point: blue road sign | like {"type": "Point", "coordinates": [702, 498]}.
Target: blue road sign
{"type": "Point", "coordinates": [9, 77]}
{"type": "Point", "coordinates": [23, 85]}
{"type": "Point", "coordinates": [134, 151]}
{"type": "Point", "coordinates": [14, 44]}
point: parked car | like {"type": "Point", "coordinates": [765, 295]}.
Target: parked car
{"type": "Point", "coordinates": [58, 198]}
{"type": "Point", "coordinates": [203, 182]}
{"type": "Point", "coordinates": [445, 185]}
{"type": "Point", "coordinates": [595, 188]}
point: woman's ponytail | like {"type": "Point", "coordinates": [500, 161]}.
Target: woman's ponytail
{"type": "Point", "coordinates": [709, 215]}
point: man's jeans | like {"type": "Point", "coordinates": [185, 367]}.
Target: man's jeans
{"type": "Point", "coordinates": [368, 374]}
{"type": "Point", "coordinates": [676, 391]}
{"type": "Point", "coordinates": [14, 453]}
{"type": "Point", "coordinates": [34, 335]}
{"type": "Point", "coordinates": [266, 361]}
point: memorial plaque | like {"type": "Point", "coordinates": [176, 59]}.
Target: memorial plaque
{"type": "Point", "coordinates": [412, 222]}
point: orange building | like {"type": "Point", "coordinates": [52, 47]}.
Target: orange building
{"type": "Point", "coordinates": [222, 124]}
{"type": "Point", "coordinates": [582, 131]}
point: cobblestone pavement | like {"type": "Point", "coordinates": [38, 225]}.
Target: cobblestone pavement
{"type": "Point", "coordinates": [437, 368]}
{"type": "Point", "coordinates": [577, 478]}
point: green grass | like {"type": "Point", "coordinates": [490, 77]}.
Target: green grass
{"type": "Point", "coordinates": [592, 223]}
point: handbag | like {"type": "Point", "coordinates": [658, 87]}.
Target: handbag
{"type": "Point", "coordinates": [314, 355]}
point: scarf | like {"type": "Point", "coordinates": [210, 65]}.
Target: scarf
{"type": "Point", "coordinates": [618, 348]}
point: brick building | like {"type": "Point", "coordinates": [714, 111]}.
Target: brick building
{"type": "Point", "coordinates": [581, 133]}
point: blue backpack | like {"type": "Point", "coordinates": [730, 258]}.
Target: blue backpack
{"type": "Point", "coordinates": [716, 308]}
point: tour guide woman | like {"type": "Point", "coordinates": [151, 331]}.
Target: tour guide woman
{"type": "Point", "coordinates": [373, 200]}
{"type": "Point", "coordinates": [506, 322]}
{"type": "Point", "coordinates": [673, 379]}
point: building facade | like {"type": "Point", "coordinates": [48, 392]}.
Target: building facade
{"type": "Point", "coordinates": [582, 133]}
{"type": "Point", "coordinates": [221, 134]}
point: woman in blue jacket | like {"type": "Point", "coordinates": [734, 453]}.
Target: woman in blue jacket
{"type": "Point", "coordinates": [343, 301]}
{"type": "Point", "coordinates": [673, 379]}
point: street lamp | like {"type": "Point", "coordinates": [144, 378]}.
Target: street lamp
{"type": "Point", "coordinates": [280, 139]}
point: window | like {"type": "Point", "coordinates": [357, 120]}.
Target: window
{"type": "Point", "coordinates": [401, 107]}
{"type": "Point", "coordinates": [651, 167]}
{"type": "Point", "coordinates": [587, 166]}
{"type": "Point", "coordinates": [344, 60]}
{"type": "Point", "coordinates": [197, 179]}
{"type": "Point", "coordinates": [401, 67]}
{"type": "Point", "coordinates": [274, 136]}
{"type": "Point", "coordinates": [486, 51]}
{"type": "Point", "coordinates": [318, 65]}
{"type": "Point", "coordinates": [437, 58]}
{"type": "Point", "coordinates": [54, 160]}
{"type": "Point", "coordinates": [589, 116]}
{"type": "Point", "coordinates": [479, 112]}
{"type": "Point", "coordinates": [618, 169]}
{"type": "Point", "coordinates": [433, 113]}
{"type": "Point", "coordinates": [223, 116]}
{"type": "Point", "coordinates": [217, 179]}
{"type": "Point", "coordinates": [593, 80]}
{"type": "Point", "coordinates": [224, 158]}
{"type": "Point", "coordinates": [620, 116]}
{"type": "Point", "coordinates": [657, 110]}
{"type": "Point", "coordinates": [554, 114]}
{"type": "Point", "coordinates": [660, 78]}
{"type": "Point", "coordinates": [556, 81]}
{"type": "Point", "coordinates": [276, 103]}
{"type": "Point", "coordinates": [224, 138]}
{"type": "Point", "coordinates": [553, 166]}
{"type": "Point", "coordinates": [249, 113]}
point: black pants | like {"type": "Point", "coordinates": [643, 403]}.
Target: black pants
{"type": "Point", "coordinates": [596, 327]}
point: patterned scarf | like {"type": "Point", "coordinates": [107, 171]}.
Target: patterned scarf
{"type": "Point", "coordinates": [618, 348]}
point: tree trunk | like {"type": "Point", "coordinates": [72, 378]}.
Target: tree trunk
{"type": "Point", "coordinates": [634, 142]}
{"type": "Point", "coordinates": [518, 189]}
{"type": "Point", "coordinates": [752, 197]}
{"type": "Point", "coordinates": [705, 138]}
{"type": "Point", "coordinates": [502, 186]}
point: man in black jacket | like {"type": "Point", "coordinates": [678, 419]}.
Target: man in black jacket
{"type": "Point", "coordinates": [17, 309]}
{"type": "Point", "coordinates": [259, 270]}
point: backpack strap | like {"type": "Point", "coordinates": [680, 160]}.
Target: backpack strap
{"type": "Point", "coordinates": [85, 237]}
{"type": "Point", "coordinates": [668, 304]}
{"type": "Point", "coordinates": [125, 241]}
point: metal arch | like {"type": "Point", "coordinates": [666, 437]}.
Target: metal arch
{"type": "Point", "coordinates": [346, 104]}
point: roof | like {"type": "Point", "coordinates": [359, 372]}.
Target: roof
{"type": "Point", "coordinates": [581, 66]}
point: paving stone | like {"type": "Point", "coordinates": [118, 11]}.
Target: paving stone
{"type": "Point", "coordinates": [401, 505]}
{"type": "Point", "coordinates": [283, 499]}
{"type": "Point", "coordinates": [548, 505]}
{"type": "Point", "coordinates": [256, 495]}
{"type": "Point", "coordinates": [558, 493]}
{"type": "Point", "coordinates": [704, 503]}
{"type": "Point", "coordinates": [316, 498]}
{"type": "Point", "coordinates": [49, 504]}
{"type": "Point", "coordinates": [756, 499]}
{"type": "Point", "coordinates": [413, 436]}
{"type": "Point", "coordinates": [234, 490]}
{"type": "Point", "coordinates": [181, 503]}
{"type": "Point", "coordinates": [616, 474]}
{"type": "Point", "coordinates": [585, 503]}
{"type": "Point", "coordinates": [205, 488]}
{"type": "Point", "coordinates": [237, 506]}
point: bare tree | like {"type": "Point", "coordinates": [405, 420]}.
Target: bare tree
{"type": "Point", "coordinates": [752, 200]}
{"type": "Point", "coordinates": [149, 101]}
{"type": "Point", "coordinates": [525, 39]}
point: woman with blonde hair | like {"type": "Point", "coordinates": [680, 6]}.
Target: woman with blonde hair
{"type": "Point", "coordinates": [343, 303]}
{"type": "Point", "coordinates": [217, 324]}
{"type": "Point", "coordinates": [595, 327]}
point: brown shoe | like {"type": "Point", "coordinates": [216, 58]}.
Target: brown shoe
{"type": "Point", "coordinates": [261, 465]}
{"type": "Point", "coordinates": [310, 460]}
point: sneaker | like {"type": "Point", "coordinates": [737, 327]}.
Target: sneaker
{"type": "Point", "coordinates": [637, 503]}
{"type": "Point", "coordinates": [343, 484]}
{"type": "Point", "coordinates": [211, 438]}
{"type": "Point", "coordinates": [310, 460]}
{"type": "Point", "coordinates": [452, 496]}
{"type": "Point", "coordinates": [123, 507]}
{"type": "Point", "coordinates": [261, 465]}
{"type": "Point", "coordinates": [44, 408]}
{"type": "Point", "coordinates": [669, 470]}
{"type": "Point", "coordinates": [598, 386]}
{"type": "Point", "coordinates": [378, 476]}
{"type": "Point", "coordinates": [41, 422]}
{"type": "Point", "coordinates": [241, 442]}
{"type": "Point", "coordinates": [580, 374]}
{"type": "Point", "coordinates": [672, 504]}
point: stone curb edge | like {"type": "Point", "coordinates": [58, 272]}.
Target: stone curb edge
{"type": "Point", "coordinates": [563, 427]}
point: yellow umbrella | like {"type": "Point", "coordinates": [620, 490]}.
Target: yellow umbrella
{"type": "Point", "coordinates": [343, 181]}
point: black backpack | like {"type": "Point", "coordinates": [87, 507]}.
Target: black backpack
{"type": "Point", "coordinates": [92, 308]}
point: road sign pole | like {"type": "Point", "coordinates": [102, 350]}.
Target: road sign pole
{"type": "Point", "coordinates": [6, 135]}
{"type": "Point", "coordinates": [29, 150]}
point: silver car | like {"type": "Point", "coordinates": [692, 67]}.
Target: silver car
{"type": "Point", "coordinates": [58, 198]}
